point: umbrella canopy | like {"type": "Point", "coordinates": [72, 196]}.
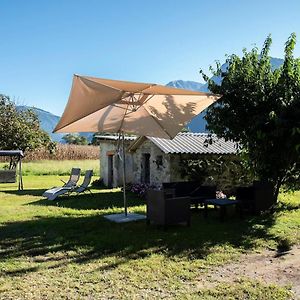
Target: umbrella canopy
{"type": "Point", "coordinates": [144, 109]}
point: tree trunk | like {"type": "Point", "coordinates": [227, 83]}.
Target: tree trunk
{"type": "Point", "coordinates": [277, 188]}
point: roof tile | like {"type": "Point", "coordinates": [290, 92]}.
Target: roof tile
{"type": "Point", "coordinates": [195, 143]}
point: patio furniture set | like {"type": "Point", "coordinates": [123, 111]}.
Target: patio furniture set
{"type": "Point", "coordinates": [172, 204]}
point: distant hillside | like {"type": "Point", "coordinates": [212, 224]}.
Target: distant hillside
{"type": "Point", "coordinates": [198, 124]}
{"type": "Point", "coordinates": [48, 122]}
{"type": "Point", "coordinates": [189, 85]}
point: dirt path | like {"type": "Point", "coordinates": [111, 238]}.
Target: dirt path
{"type": "Point", "coordinates": [267, 267]}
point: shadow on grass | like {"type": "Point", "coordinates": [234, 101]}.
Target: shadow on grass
{"type": "Point", "coordinates": [45, 239]}
{"type": "Point", "coordinates": [100, 199]}
{"type": "Point", "coordinates": [281, 206]}
{"type": "Point", "coordinates": [27, 192]}
{"type": "Point", "coordinates": [104, 199]}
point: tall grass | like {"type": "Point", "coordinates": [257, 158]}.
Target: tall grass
{"type": "Point", "coordinates": [64, 152]}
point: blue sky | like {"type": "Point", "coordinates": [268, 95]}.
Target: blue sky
{"type": "Point", "coordinates": [43, 43]}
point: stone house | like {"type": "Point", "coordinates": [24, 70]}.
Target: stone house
{"type": "Point", "coordinates": [155, 160]}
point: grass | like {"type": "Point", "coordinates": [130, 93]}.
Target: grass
{"type": "Point", "coordinates": [66, 249]}
{"type": "Point", "coordinates": [244, 289]}
{"type": "Point", "coordinates": [56, 167]}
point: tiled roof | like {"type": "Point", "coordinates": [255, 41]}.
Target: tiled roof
{"type": "Point", "coordinates": [195, 143]}
{"type": "Point", "coordinates": [189, 142]}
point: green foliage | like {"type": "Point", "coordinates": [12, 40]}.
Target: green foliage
{"type": "Point", "coordinates": [98, 183]}
{"type": "Point", "coordinates": [224, 171]}
{"type": "Point", "coordinates": [95, 141]}
{"type": "Point", "coordinates": [284, 244]}
{"type": "Point", "coordinates": [20, 129]}
{"type": "Point", "coordinates": [75, 139]}
{"type": "Point", "coordinates": [260, 109]}
{"type": "Point", "coordinates": [185, 130]}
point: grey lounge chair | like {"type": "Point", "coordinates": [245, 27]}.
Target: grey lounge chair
{"type": "Point", "coordinates": [86, 181]}
{"type": "Point", "coordinates": [68, 186]}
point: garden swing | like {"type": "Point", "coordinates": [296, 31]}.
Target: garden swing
{"type": "Point", "coordinates": [9, 173]}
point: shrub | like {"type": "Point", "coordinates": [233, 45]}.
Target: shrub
{"type": "Point", "coordinates": [284, 244]}
{"type": "Point", "coordinates": [98, 183]}
{"type": "Point", "coordinates": [139, 188]}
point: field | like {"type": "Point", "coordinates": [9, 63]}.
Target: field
{"type": "Point", "coordinates": [58, 168]}
{"type": "Point", "coordinates": [66, 250]}
{"type": "Point", "coordinates": [62, 152]}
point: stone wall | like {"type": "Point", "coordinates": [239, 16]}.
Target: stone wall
{"type": "Point", "coordinates": [159, 164]}
{"type": "Point", "coordinates": [110, 147]}
{"type": "Point", "coordinates": [163, 167]}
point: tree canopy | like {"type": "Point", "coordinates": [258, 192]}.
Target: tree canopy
{"type": "Point", "coordinates": [260, 109]}
{"type": "Point", "coordinates": [75, 139]}
{"type": "Point", "coordinates": [20, 129]}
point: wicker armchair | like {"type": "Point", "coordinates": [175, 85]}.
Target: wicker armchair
{"type": "Point", "coordinates": [164, 209]}
{"type": "Point", "coordinates": [255, 198]}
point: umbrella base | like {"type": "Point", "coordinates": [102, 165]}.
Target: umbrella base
{"type": "Point", "coordinates": [121, 218]}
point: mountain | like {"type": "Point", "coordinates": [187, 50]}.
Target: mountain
{"type": "Point", "coordinates": [189, 85]}
{"type": "Point", "coordinates": [48, 121]}
{"type": "Point", "coordinates": [198, 124]}
{"type": "Point", "coordinates": [276, 62]}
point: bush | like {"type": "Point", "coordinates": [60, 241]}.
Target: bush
{"type": "Point", "coordinates": [98, 183]}
{"type": "Point", "coordinates": [139, 188]}
{"type": "Point", "coordinates": [284, 244]}
{"type": "Point", "coordinates": [225, 171]}
{"type": "Point", "coordinates": [22, 128]}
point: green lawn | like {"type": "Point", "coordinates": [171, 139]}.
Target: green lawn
{"type": "Point", "coordinates": [66, 249]}
{"type": "Point", "coordinates": [57, 167]}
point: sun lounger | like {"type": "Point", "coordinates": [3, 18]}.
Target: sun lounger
{"type": "Point", "coordinates": [68, 186]}
{"type": "Point", "coordinates": [74, 177]}
{"type": "Point", "coordinates": [86, 181]}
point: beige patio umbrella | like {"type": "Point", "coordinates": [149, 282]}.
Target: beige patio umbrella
{"type": "Point", "coordinates": [144, 109]}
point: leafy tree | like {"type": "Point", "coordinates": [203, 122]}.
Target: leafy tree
{"type": "Point", "coordinates": [94, 140]}
{"type": "Point", "coordinates": [224, 171]}
{"type": "Point", "coordinates": [75, 139]}
{"type": "Point", "coordinates": [20, 129]}
{"type": "Point", "coordinates": [260, 109]}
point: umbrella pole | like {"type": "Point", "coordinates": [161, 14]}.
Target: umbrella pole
{"type": "Point", "coordinates": [124, 176]}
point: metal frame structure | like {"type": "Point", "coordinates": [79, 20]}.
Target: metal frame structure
{"type": "Point", "coordinates": [18, 154]}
